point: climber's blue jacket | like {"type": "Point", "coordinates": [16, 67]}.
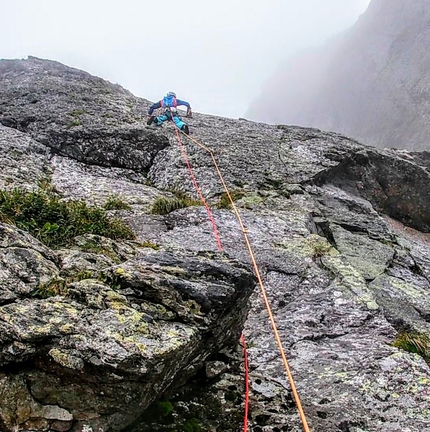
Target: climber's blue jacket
{"type": "Point", "coordinates": [168, 102]}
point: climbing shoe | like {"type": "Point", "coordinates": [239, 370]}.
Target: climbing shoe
{"type": "Point", "coordinates": [150, 120]}
{"type": "Point", "coordinates": [185, 129]}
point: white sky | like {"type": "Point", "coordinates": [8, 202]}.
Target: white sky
{"type": "Point", "coordinates": [214, 54]}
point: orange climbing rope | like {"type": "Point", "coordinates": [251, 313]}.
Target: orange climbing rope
{"type": "Point", "coordinates": [260, 282]}
{"type": "Point", "coordinates": [196, 186]}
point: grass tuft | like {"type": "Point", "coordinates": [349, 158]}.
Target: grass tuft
{"type": "Point", "coordinates": [114, 202]}
{"type": "Point", "coordinates": [164, 205]}
{"type": "Point", "coordinates": [414, 342]}
{"type": "Point", "coordinates": [56, 222]}
{"type": "Point", "coordinates": [74, 123]}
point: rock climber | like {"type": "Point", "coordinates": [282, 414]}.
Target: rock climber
{"type": "Point", "coordinates": [169, 104]}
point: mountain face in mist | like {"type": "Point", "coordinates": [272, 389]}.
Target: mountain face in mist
{"type": "Point", "coordinates": [370, 82]}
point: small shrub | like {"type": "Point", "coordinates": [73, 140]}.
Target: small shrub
{"type": "Point", "coordinates": [45, 184]}
{"type": "Point", "coordinates": [94, 248]}
{"type": "Point", "coordinates": [164, 205]}
{"type": "Point", "coordinates": [275, 183]}
{"type": "Point", "coordinates": [231, 396]}
{"type": "Point", "coordinates": [82, 275]}
{"type": "Point", "coordinates": [117, 279]}
{"type": "Point", "coordinates": [56, 222]}
{"type": "Point", "coordinates": [116, 203]}
{"type": "Point", "coordinates": [414, 342]}
{"type": "Point", "coordinates": [57, 286]}
{"type": "Point", "coordinates": [159, 411]}
{"type": "Point", "coordinates": [164, 407]}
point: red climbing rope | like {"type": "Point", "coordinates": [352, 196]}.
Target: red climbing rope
{"type": "Point", "coordinates": [245, 355]}
{"type": "Point", "coordinates": [262, 288]}
{"type": "Point", "coordinates": [196, 186]}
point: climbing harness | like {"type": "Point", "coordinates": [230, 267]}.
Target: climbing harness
{"type": "Point", "coordinates": [254, 263]}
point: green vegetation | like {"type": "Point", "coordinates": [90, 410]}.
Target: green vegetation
{"type": "Point", "coordinates": [46, 185]}
{"type": "Point", "coordinates": [159, 411]}
{"type": "Point", "coordinates": [114, 202]}
{"type": "Point", "coordinates": [149, 244]}
{"type": "Point", "coordinates": [58, 286]}
{"type": "Point", "coordinates": [231, 396]}
{"type": "Point", "coordinates": [224, 202]}
{"type": "Point", "coordinates": [320, 249]}
{"type": "Point", "coordinates": [116, 279]}
{"type": "Point", "coordinates": [99, 249]}
{"type": "Point", "coordinates": [192, 425]}
{"type": "Point", "coordinates": [76, 114]}
{"type": "Point", "coordinates": [76, 122]}
{"type": "Point", "coordinates": [164, 205]}
{"type": "Point", "coordinates": [275, 183]}
{"type": "Point", "coordinates": [163, 408]}
{"type": "Point", "coordinates": [55, 222]}
{"type": "Point", "coordinates": [414, 342]}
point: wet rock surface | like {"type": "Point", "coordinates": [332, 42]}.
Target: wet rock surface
{"type": "Point", "coordinates": [148, 326]}
{"type": "Point", "coordinates": [94, 121]}
{"type": "Point", "coordinates": [147, 340]}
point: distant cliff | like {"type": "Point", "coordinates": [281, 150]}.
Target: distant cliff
{"type": "Point", "coordinates": [370, 82]}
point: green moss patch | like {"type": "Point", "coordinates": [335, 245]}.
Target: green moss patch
{"type": "Point", "coordinates": [58, 286]}
{"type": "Point", "coordinates": [149, 244]}
{"type": "Point", "coordinates": [224, 202]}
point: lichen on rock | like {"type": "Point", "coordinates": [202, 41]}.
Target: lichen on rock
{"type": "Point", "coordinates": [128, 325]}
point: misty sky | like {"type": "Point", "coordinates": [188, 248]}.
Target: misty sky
{"type": "Point", "coordinates": [215, 54]}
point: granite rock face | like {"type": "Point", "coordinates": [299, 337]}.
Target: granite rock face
{"type": "Point", "coordinates": [369, 82]}
{"type": "Point", "coordinates": [94, 121]}
{"type": "Point", "coordinates": [340, 233]}
{"type": "Point", "coordinates": [107, 349]}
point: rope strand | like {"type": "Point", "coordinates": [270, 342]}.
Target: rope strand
{"type": "Point", "coordinates": [262, 289]}
{"type": "Point", "coordinates": [245, 355]}
{"type": "Point", "coordinates": [245, 427]}
{"type": "Point", "coordinates": [196, 186]}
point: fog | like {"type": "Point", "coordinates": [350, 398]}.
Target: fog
{"type": "Point", "coordinates": [216, 55]}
